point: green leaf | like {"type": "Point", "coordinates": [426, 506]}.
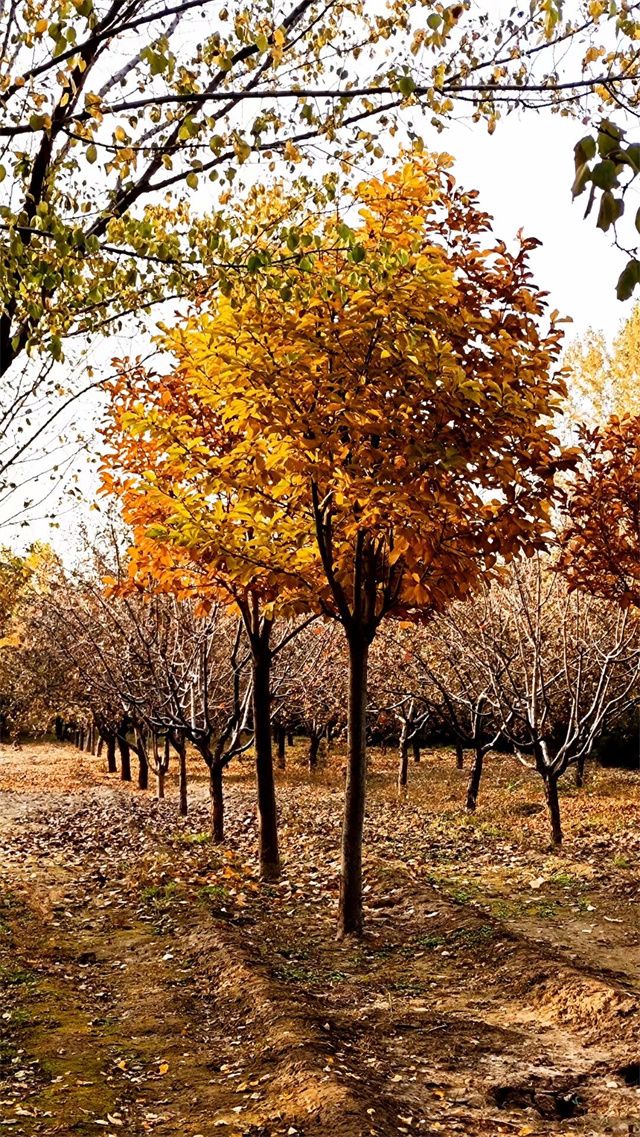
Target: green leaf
{"type": "Point", "coordinates": [434, 21]}
{"type": "Point", "coordinates": [357, 254]}
{"type": "Point", "coordinates": [604, 175]}
{"type": "Point", "coordinates": [92, 153]}
{"type": "Point", "coordinates": [3, 173]}
{"type": "Point", "coordinates": [583, 175]}
{"type": "Point", "coordinates": [609, 137]}
{"type": "Point", "coordinates": [192, 180]}
{"type": "Point", "coordinates": [406, 85]}
{"type": "Point", "coordinates": [584, 150]}
{"type": "Point", "coordinates": [629, 278]}
{"type": "Point", "coordinates": [611, 208]}
{"type": "Point", "coordinates": [637, 217]}
{"type": "Point", "coordinates": [632, 155]}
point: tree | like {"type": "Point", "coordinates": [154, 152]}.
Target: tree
{"type": "Point", "coordinates": [604, 380]}
{"type": "Point", "coordinates": [559, 667]}
{"type": "Point", "coordinates": [114, 115]}
{"type": "Point", "coordinates": [601, 541]}
{"type": "Point", "coordinates": [382, 422]}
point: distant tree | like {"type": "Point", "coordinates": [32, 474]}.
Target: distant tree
{"type": "Point", "coordinates": [560, 667]}
{"type": "Point", "coordinates": [601, 540]}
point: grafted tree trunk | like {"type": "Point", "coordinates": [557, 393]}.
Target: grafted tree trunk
{"type": "Point", "coordinates": [125, 755]}
{"type": "Point", "coordinates": [415, 745]}
{"type": "Point", "coordinates": [143, 761]}
{"type": "Point", "coordinates": [111, 753]}
{"type": "Point", "coordinates": [580, 772]}
{"type": "Point", "coordinates": [350, 910]}
{"type": "Point", "coordinates": [314, 746]}
{"type": "Point", "coordinates": [459, 756]}
{"type": "Point", "coordinates": [473, 786]}
{"type": "Point", "coordinates": [266, 794]}
{"type": "Point", "coordinates": [217, 803]}
{"type": "Point", "coordinates": [553, 805]}
{"type": "Point", "coordinates": [403, 763]}
{"type": "Point", "coordinates": [182, 777]}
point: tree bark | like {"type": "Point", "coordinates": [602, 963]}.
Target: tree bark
{"type": "Point", "coordinates": [266, 794]}
{"type": "Point", "coordinates": [553, 805]}
{"type": "Point", "coordinates": [314, 746]}
{"type": "Point", "coordinates": [160, 784]}
{"type": "Point", "coordinates": [217, 803]}
{"type": "Point", "coordinates": [580, 772]}
{"type": "Point", "coordinates": [289, 739]}
{"type": "Point", "coordinates": [350, 907]}
{"type": "Point", "coordinates": [415, 744]}
{"type": "Point", "coordinates": [474, 780]}
{"type": "Point", "coordinates": [459, 756]}
{"type": "Point", "coordinates": [403, 764]}
{"type": "Point", "coordinates": [143, 762]}
{"type": "Point", "coordinates": [182, 778]}
{"type": "Point", "coordinates": [111, 754]}
{"type": "Point", "coordinates": [125, 757]}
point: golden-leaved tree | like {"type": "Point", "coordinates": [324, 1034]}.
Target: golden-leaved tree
{"type": "Point", "coordinates": [604, 379]}
{"type": "Point", "coordinates": [367, 431]}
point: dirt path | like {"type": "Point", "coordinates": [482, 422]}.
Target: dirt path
{"type": "Point", "coordinates": [148, 984]}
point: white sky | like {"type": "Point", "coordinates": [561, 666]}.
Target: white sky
{"type": "Point", "coordinates": [524, 174]}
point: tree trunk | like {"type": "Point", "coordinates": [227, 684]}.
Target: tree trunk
{"type": "Point", "coordinates": [281, 738]}
{"type": "Point", "coordinates": [459, 756]}
{"type": "Point", "coordinates": [403, 765]}
{"type": "Point", "coordinates": [580, 772]}
{"type": "Point", "coordinates": [415, 744]}
{"type": "Point", "coordinates": [553, 804]}
{"type": "Point", "coordinates": [100, 746]}
{"type": "Point", "coordinates": [125, 757]}
{"type": "Point", "coordinates": [266, 793]}
{"type": "Point", "coordinates": [474, 780]}
{"type": "Point", "coordinates": [143, 762]}
{"type": "Point", "coordinates": [314, 746]}
{"type": "Point", "coordinates": [350, 912]}
{"type": "Point", "coordinates": [182, 778]}
{"type": "Point", "coordinates": [160, 783]}
{"type": "Point", "coordinates": [289, 739]}
{"type": "Point", "coordinates": [111, 754]}
{"type": "Point", "coordinates": [217, 803]}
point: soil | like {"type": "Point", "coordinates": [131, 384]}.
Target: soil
{"type": "Point", "coordinates": [150, 984]}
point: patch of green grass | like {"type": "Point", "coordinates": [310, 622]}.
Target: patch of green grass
{"type": "Point", "coordinates": [621, 862]}
{"type": "Point", "coordinates": [432, 941]}
{"type": "Point", "coordinates": [161, 896]}
{"type": "Point", "coordinates": [16, 977]}
{"type": "Point", "coordinates": [202, 838]}
{"type": "Point", "coordinates": [213, 892]}
{"type": "Point", "coordinates": [546, 910]}
{"type": "Point", "coordinates": [473, 937]}
{"type": "Point", "coordinates": [565, 880]}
